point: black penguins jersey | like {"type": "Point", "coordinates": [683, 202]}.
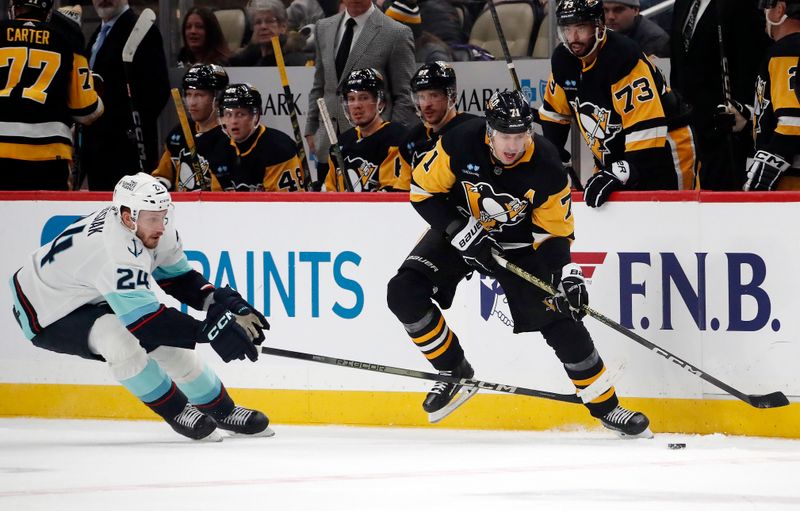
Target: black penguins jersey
{"type": "Point", "coordinates": [521, 205]}
{"type": "Point", "coordinates": [46, 85]}
{"type": "Point", "coordinates": [373, 163]}
{"type": "Point", "coordinates": [173, 169]}
{"type": "Point", "coordinates": [618, 103]}
{"type": "Point", "coordinates": [776, 112]}
{"type": "Point", "coordinates": [421, 139]}
{"type": "Point", "coordinates": [266, 161]}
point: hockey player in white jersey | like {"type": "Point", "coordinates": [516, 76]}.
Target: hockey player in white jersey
{"type": "Point", "coordinates": [88, 293]}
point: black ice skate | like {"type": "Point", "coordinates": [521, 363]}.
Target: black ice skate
{"type": "Point", "coordinates": [627, 423]}
{"type": "Point", "coordinates": [194, 424]}
{"type": "Point", "coordinates": [444, 398]}
{"type": "Point", "coordinates": [244, 421]}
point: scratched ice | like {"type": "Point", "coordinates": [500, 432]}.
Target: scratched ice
{"type": "Point", "coordinates": [130, 466]}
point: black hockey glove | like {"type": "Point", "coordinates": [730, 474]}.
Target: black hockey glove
{"type": "Point", "coordinates": [601, 184]}
{"type": "Point", "coordinates": [475, 244]}
{"type": "Point", "coordinates": [732, 117]}
{"type": "Point", "coordinates": [228, 339]}
{"type": "Point", "coordinates": [763, 171]}
{"type": "Point", "coordinates": [572, 294]}
{"type": "Point", "coordinates": [253, 322]}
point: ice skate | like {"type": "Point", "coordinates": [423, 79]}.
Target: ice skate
{"type": "Point", "coordinates": [444, 398]}
{"type": "Point", "coordinates": [627, 423]}
{"type": "Point", "coordinates": [194, 424]}
{"type": "Point", "coordinates": [246, 422]}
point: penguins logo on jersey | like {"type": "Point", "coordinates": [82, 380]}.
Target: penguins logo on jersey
{"type": "Point", "coordinates": [494, 210]}
{"type": "Point", "coordinates": [594, 123]}
{"type": "Point", "coordinates": [761, 103]}
{"type": "Point", "coordinates": [363, 171]}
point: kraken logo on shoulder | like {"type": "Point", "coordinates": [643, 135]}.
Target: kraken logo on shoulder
{"type": "Point", "coordinates": [494, 210]}
{"type": "Point", "coordinates": [596, 127]}
{"type": "Point", "coordinates": [761, 104]}
{"type": "Point", "coordinates": [362, 173]}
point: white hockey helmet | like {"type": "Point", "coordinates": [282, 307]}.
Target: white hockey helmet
{"type": "Point", "coordinates": [141, 192]}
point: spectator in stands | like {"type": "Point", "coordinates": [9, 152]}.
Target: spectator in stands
{"type": "Point", "coordinates": [269, 19]}
{"type": "Point", "coordinates": [302, 13]}
{"type": "Point", "coordinates": [623, 16]}
{"type": "Point", "coordinates": [110, 149]}
{"type": "Point", "coordinates": [361, 36]}
{"type": "Point", "coordinates": [696, 74]}
{"type": "Point", "coordinates": [203, 40]}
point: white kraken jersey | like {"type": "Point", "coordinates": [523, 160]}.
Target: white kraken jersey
{"type": "Point", "coordinates": [96, 259]}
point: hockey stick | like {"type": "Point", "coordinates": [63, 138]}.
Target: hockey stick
{"type": "Point", "coordinates": [772, 400]}
{"type": "Point", "coordinates": [421, 375]}
{"type": "Point", "coordinates": [333, 136]}
{"type": "Point", "coordinates": [726, 87]}
{"type": "Point", "coordinates": [194, 161]}
{"type": "Point", "coordinates": [287, 92]}
{"type": "Point", "coordinates": [140, 29]}
{"type": "Point", "coordinates": [512, 70]}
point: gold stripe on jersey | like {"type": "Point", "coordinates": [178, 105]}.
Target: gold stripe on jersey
{"type": "Point", "coordinates": [432, 175]}
{"type": "Point", "coordinates": [555, 107]}
{"type": "Point", "coordinates": [82, 99]}
{"type": "Point", "coordinates": [166, 168]}
{"type": "Point", "coordinates": [554, 217]}
{"type": "Point", "coordinates": [680, 142]}
{"type": "Point", "coordinates": [284, 177]}
{"type": "Point", "coordinates": [636, 99]}
{"type": "Point", "coordinates": [394, 171]}
{"type": "Point", "coordinates": [42, 152]}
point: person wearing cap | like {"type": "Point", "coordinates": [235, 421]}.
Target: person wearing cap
{"type": "Point", "coordinates": [623, 16]}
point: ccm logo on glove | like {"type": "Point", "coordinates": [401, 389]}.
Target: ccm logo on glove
{"type": "Point", "coordinates": [226, 318]}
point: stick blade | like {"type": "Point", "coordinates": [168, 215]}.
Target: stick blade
{"type": "Point", "coordinates": [140, 29]}
{"type": "Point", "coordinates": [772, 400]}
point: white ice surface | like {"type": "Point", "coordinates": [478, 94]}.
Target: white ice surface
{"type": "Point", "coordinates": [120, 466]}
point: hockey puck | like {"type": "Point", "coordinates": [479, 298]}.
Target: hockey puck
{"type": "Point", "coordinates": [676, 446]}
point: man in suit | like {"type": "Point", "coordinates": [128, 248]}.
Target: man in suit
{"type": "Point", "coordinates": [374, 40]}
{"type": "Point", "coordinates": [109, 148]}
{"type": "Point", "coordinates": [696, 74]}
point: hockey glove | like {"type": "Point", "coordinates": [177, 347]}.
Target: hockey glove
{"type": "Point", "coordinates": [475, 244]}
{"type": "Point", "coordinates": [601, 184]}
{"type": "Point", "coordinates": [253, 322]}
{"type": "Point", "coordinates": [732, 117]}
{"type": "Point", "coordinates": [763, 171]}
{"type": "Point", "coordinates": [228, 339]}
{"type": "Point", "coordinates": [572, 294]}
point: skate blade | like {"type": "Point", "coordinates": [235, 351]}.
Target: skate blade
{"type": "Point", "coordinates": [266, 434]}
{"type": "Point", "coordinates": [463, 395]}
{"type": "Point", "coordinates": [214, 436]}
{"type": "Point", "coordinates": [644, 434]}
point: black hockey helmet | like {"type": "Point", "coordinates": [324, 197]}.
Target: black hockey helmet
{"type": "Point", "coordinates": [434, 76]}
{"type": "Point", "coordinates": [570, 12]}
{"type": "Point", "coordinates": [509, 112]}
{"type": "Point", "coordinates": [367, 79]}
{"type": "Point", "coordinates": [241, 95]}
{"type": "Point", "coordinates": [792, 6]}
{"type": "Point", "coordinates": [42, 7]}
{"type": "Point", "coordinates": [205, 77]}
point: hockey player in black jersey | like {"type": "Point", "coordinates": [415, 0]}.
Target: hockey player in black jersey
{"type": "Point", "coordinates": [636, 128]}
{"type": "Point", "coordinates": [202, 84]}
{"type": "Point", "coordinates": [435, 93]}
{"type": "Point", "coordinates": [776, 112]}
{"type": "Point", "coordinates": [257, 158]}
{"type": "Point", "coordinates": [494, 185]}
{"type": "Point", "coordinates": [48, 85]}
{"type": "Point", "coordinates": [370, 149]}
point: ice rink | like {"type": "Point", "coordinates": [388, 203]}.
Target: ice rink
{"type": "Point", "coordinates": [112, 465]}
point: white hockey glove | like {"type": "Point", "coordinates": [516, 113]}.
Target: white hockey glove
{"type": "Point", "coordinates": [733, 116]}
{"type": "Point", "coordinates": [763, 171]}
{"type": "Point", "coordinates": [601, 184]}
{"type": "Point", "coordinates": [572, 294]}
{"type": "Point", "coordinates": [248, 317]}
{"type": "Point", "coordinates": [475, 244]}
